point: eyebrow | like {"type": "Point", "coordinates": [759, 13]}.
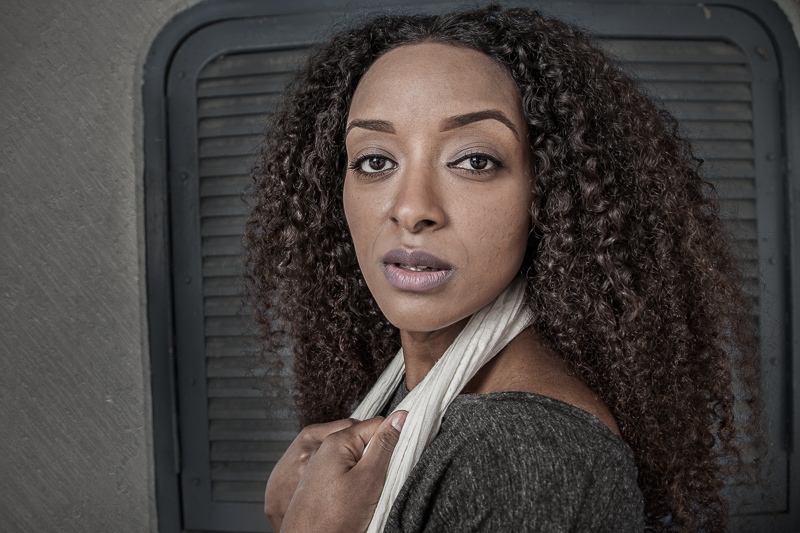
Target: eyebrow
{"type": "Point", "coordinates": [468, 118]}
{"type": "Point", "coordinates": [373, 125]}
{"type": "Point", "coordinates": [451, 123]}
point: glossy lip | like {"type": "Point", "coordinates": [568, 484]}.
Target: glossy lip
{"type": "Point", "coordinates": [407, 280]}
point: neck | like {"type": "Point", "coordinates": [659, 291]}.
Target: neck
{"type": "Point", "coordinates": [421, 349]}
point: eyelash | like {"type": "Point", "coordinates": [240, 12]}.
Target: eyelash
{"type": "Point", "coordinates": [496, 162]}
{"type": "Point", "coordinates": [356, 164]}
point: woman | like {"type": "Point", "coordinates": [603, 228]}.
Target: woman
{"type": "Point", "coordinates": [418, 166]}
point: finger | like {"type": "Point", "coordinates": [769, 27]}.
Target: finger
{"type": "Point", "coordinates": [349, 444]}
{"type": "Point", "coordinates": [318, 432]}
{"type": "Point", "coordinates": [376, 458]}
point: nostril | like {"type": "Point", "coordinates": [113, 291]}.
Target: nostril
{"type": "Point", "coordinates": [426, 223]}
{"type": "Point", "coordinates": [415, 227]}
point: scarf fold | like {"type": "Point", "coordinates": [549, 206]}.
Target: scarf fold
{"type": "Point", "coordinates": [487, 332]}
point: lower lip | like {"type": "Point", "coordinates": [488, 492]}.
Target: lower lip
{"type": "Point", "coordinates": [407, 280]}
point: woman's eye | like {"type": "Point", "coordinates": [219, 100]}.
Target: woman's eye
{"type": "Point", "coordinates": [476, 162]}
{"type": "Point", "coordinates": [374, 164]}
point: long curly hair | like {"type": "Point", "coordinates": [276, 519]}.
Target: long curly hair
{"type": "Point", "coordinates": [630, 275]}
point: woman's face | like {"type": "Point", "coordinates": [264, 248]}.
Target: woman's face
{"type": "Point", "coordinates": [437, 193]}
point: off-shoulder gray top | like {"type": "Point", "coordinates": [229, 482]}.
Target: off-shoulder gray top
{"type": "Point", "coordinates": [518, 461]}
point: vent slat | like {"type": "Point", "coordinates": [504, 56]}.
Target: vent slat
{"type": "Point", "coordinates": [734, 169]}
{"type": "Point", "coordinates": [228, 146]}
{"type": "Point", "coordinates": [214, 251]}
{"type": "Point", "coordinates": [688, 71]}
{"type": "Point", "coordinates": [734, 131]}
{"type": "Point", "coordinates": [225, 166]}
{"type": "Point", "coordinates": [222, 226]}
{"type": "Point", "coordinates": [224, 186]}
{"type": "Point", "coordinates": [243, 85]}
{"type": "Point", "coordinates": [256, 104]}
{"type": "Point", "coordinates": [221, 230]}
{"type": "Point", "coordinates": [246, 409]}
{"type": "Point", "coordinates": [246, 492]}
{"type": "Point", "coordinates": [242, 471]}
{"type": "Point", "coordinates": [735, 189]}
{"type": "Point", "coordinates": [710, 111]}
{"type": "Point", "coordinates": [225, 306]}
{"type": "Point", "coordinates": [253, 63]}
{"type": "Point", "coordinates": [662, 51]}
{"type": "Point", "coordinates": [230, 346]}
{"type": "Point", "coordinates": [724, 149]}
{"type": "Point", "coordinates": [252, 430]}
{"type": "Point", "coordinates": [249, 451]}
{"type": "Point", "coordinates": [230, 367]}
{"type": "Point", "coordinates": [699, 91]}
{"type": "Point", "coordinates": [222, 266]}
{"type": "Point", "coordinates": [223, 210]}
{"type": "Point", "coordinates": [224, 322]}
{"type": "Point", "coordinates": [740, 209]}
{"type": "Point", "coordinates": [223, 271]}
{"type": "Point", "coordinates": [231, 126]}
{"type": "Point", "coordinates": [222, 287]}
{"type": "Point", "coordinates": [236, 388]}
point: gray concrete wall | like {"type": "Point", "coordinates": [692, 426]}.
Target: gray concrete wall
{"type": "Point", "coordinates": [75, 432]}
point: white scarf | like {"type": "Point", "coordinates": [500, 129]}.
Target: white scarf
{"type": "Point", "coordinates": [487, 332]}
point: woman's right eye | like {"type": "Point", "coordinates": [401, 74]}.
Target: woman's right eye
{"type": "Point", "coordinates": [373, 164]}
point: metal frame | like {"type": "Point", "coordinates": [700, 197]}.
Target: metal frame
{"type": "Point", "coordinates": [199, 34]}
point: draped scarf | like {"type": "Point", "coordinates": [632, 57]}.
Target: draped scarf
{"type": "Point", "coordinates": [487, 332]}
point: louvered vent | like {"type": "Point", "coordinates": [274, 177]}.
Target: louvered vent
{"type": "Point", "coordinates": [233, 94]}
{"type": "Point", "coordinates": [705, 84]}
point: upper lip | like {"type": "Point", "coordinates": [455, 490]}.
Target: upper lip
{"type": "Point", "coordinates": [414, 258]}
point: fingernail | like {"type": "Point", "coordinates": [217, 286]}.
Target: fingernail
{"type": "Point", "coordinates": [399, 419]}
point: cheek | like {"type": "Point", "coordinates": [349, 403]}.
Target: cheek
{"type": "Point", "coordinates": [506, 235]}
{"type": "Point", "coordinates": [358, 211]}
{"type": "Point", "coordinates": [351, 215]}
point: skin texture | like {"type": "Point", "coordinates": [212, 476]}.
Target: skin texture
{"type": "Point", "coordinates": [286, 475]}
{"type": "Point", "coordinates": [340, 484]}
{"type": "Point", "coordinates": [425, 197]}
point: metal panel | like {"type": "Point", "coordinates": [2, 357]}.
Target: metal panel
{"type": "Point", "coordinates": [718, 76]}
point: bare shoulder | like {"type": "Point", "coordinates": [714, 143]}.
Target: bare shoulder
{"type": "Point", "coordinates": [527, 365]}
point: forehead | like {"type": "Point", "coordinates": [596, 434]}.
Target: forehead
{"type": "Point", "coordinates": [434, 80]}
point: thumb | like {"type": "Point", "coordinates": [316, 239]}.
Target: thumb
{"type": "Point", "coordinates": [383, 442]}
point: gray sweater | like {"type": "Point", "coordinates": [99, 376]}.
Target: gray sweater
{"type": "Point", "coordinates": [518, 461]}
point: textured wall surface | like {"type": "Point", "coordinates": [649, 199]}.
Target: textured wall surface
{"type": "Point", "coordinates": [75, 437]}
{"type": "Point", "coordinates": [74, 386]}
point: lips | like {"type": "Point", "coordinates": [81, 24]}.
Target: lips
{"type": "Point", "coordinates": [416, 270]}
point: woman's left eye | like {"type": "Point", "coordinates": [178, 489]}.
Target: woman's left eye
{"type": "Point", "coordinates": [476, 163]}
{"type": "Point", "coordinates": [373, 164]}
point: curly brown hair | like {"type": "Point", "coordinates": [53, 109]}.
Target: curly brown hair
{"type": "Point", "coordinates": [630, 275]}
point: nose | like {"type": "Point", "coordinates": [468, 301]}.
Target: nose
{"type": "Point", "coordinates": [417, 204]}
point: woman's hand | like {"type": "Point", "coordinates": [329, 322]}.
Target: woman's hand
{"type": "Point", "coordinates": [283, 480]}
{"type": "Point", "coordinates": [341, 485]}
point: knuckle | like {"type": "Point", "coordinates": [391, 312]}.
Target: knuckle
{"type": "Point", "coordinates": [305, 455]}
{"type": "Point", "coordinates": [334, 439]}
{"type": "Point", "coordinates": [308, 432]}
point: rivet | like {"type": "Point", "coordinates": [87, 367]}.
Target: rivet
{"type": "Point", "coordinates": [181, 75]}
{"type": "Point", "coordinates": [760, 50]}
{"type": "Point", "coordinates": [770, 156]}
{"type": "Point", "coordinates": [184, 176]}
{"type": "Point", "coordinates": [195, 481]}
{"type": "Point", "coordinates": [188, 279]}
